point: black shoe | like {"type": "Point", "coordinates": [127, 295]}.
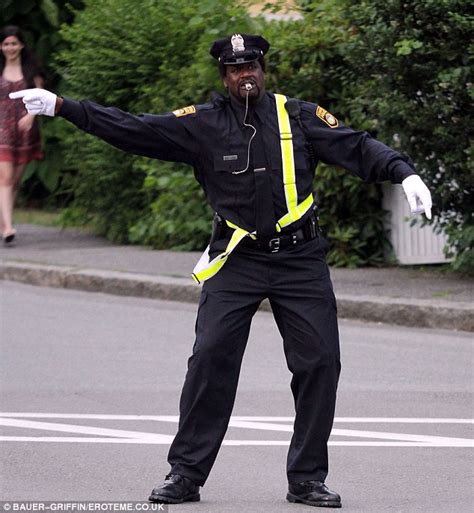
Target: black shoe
{"type": "Point", "coordinates": [175, 490]}
{"type": "Point", "coordinates": [313, 493]}
{"type": "Point", "coordinates": [8, 238]}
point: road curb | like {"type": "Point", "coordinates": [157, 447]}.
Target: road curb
{"type": "Point", "coordinates": [406, 312]}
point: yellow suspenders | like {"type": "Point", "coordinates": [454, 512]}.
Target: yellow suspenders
{"type": "Point", "coordinates": [295, 211]}
{"type": "Point", "coordinates": [206, 269]}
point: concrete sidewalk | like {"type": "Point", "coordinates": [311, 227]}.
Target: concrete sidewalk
{"type": "Point", "coordinates": [72, 259]}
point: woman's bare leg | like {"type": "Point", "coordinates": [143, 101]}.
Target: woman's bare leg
{"type": "Point", "coordinates": [10, 178]}
{"type": "Point", "coordinates": [7, 196]}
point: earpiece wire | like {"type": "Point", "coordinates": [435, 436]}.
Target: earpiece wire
{"type": "Point", "coordinates": [251, 138]}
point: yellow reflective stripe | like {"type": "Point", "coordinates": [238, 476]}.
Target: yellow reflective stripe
{"type": "Point", "coordinates": [214, 267]}
{"type": "Point", "coordinates": [230, 224]}
{"type": "Point", "coordinates": [301, 210]}
{"type": "Point", "coordinates": [216, 264]}
{"type": "Point", "coordinates": [287, 158]}
{"type": "Point", "coordinates": [237, 236]}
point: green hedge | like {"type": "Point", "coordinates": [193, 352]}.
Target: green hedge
{"type": "Point", "coordinates": [411, 62]}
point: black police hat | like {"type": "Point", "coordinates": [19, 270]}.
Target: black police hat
{"type": "Point", "coordinates": [239, 49]}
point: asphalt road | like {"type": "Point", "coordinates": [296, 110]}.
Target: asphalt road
{"type": "Point", "coordinates": [90, 387]}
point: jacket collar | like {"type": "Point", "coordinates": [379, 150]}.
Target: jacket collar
{"type": "Point", "coordinates": [260, 108]}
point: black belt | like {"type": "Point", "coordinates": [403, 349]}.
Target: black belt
{"type": "Point", "coordinates": [307, 232]}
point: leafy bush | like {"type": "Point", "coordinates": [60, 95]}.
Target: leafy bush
{"type": "Point", "coordinates": [412, 64]}
{"type": "Point", "coordinates": [178, 216]}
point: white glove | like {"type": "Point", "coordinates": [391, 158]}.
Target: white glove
{"type": "Point", "coordinates": [37, 101]}
{"type": "Point", "coordinates": [418, 195]}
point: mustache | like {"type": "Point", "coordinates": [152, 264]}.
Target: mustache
{"type": "Point", "coordinates": [250, 81]}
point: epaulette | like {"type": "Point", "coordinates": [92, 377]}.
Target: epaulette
{"type": "Point", "coordinates": [217, 100]}
{"type": "Point", "coordinates": [321, 113]}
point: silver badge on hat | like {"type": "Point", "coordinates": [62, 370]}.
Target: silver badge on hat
{"type": "Point", "coordinates": [237, 42]}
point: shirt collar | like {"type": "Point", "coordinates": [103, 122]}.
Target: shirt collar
{"type": "Point", "coordinates": [260, 109]}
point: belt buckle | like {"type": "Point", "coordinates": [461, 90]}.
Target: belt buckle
{"type": "Point", "coordinates": [274, 245]}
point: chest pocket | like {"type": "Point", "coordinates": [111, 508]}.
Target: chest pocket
{"type": "Point", "coordinates": [230, 163]}
{"type": "Point", "coordinates": [229, 183]}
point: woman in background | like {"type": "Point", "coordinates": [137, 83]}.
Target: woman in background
{"type": "Point", "coordinates": [19, 132]}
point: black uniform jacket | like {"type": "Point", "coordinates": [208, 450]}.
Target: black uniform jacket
{"type": "Point", "coordinates": [212, 138]}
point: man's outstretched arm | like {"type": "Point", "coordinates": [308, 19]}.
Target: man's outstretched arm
{"type": "Point", "coordinates": [156, 136]}
{"type": "Point", "coordinates": [367, 158]}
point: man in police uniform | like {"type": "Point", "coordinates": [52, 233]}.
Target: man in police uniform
{"type": "Point", "coordinates": [254, 153]}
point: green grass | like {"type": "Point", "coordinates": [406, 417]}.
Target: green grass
{"type": "Point", "coordinates": [36, 216]}
{"type": "Point", "coordinates": [52, 218]}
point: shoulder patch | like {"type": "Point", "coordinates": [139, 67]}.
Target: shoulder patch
{"type": "Point", "coordinates": [327, 117]}
{"type": "Point", "coordinates": [191, 109]}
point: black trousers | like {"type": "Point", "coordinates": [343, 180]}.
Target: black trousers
{"type": "Point", "coordinates": [297, 283]}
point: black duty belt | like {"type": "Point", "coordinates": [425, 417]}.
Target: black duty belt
{"type": "Point", "coordinates": [307, 232]}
